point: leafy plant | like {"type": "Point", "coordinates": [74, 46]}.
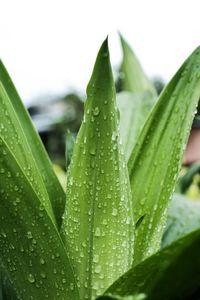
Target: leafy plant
{"type": "Point", "coordinates": [104, 239]}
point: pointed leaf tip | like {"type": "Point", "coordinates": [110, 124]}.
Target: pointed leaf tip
{"type": "Point", "coordinates": [102, 77]}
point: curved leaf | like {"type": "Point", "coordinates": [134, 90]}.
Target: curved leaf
{"type": "Point", "coordinates": [183, 217]}
{"type": "Point", "coordinates": [165, 274]}
{"type": "Point", "coordinates": [31, 250]}
{"type": "Point", "coordinates": [156, 159]}
{"type": "Point", "coordinates": [98, 219]}
{"type": "Point", "coordinates": [133, 77]}
{"type": "Point", "coordinates": [37, 151]}
{"type": "Point", "coordinates": [14, 140]}
{"type": "Point", "coordinates": [133, 112]}
{"type": "Point", "coordinates": [115, 297]}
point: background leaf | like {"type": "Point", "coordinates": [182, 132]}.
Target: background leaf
{"type": "Point", "coordinates": [133, 110]}
{"type": "Point", "coordinates": [183, 217]}
{"type": "Point", "coordinates": [98, 219]}
{"type": "Point", "coordinates": [156, 159]}
{"type": "Point", "coordinates": [37, 151]}
{"type": "Point", "coordinates": [133, 77]}
{"type": "Point", "coordinates": [165, 274]}
{"type": "Point", "coordinates": [186, 180]}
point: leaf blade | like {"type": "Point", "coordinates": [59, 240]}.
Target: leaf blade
{"type": "Point", "coordinates": [134, 79]}
{"type": "Point", "coordinates": [134, 109]}
{"type": "Point", "coordinates": [31, 249]}
{"type": "Point", "coordinates": [158, 154]}
{"type": "Point", "coordinates": [165, 274]}
{"type": "Point", "coordinates": [54, 189]}
{"type": "Point", "coordinates": [183, 217]}
{"type": "Point", "coordinates": [98, 202]}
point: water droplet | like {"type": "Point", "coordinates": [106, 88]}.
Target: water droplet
{"type": "Point", "coordinates": [114, 212]}
{"type": "Point", "coordinates": [29, 235]}
{"type": "Point", "coordinates": [43, 274]}
{"type": "Point", "coordinates": [42, 261]}
{"type": "Point", "coordinates": [96, 111]}
{"type": "Point", "coordinates": [97, 232]}
{"type": "Point", "coordinates": [93, 149]}
{"type": "Point", "coordinates": [31, 278]}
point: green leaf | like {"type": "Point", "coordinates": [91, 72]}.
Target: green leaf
{"type": "Point", "coordinates": [156, 159]}
{"type": "Point", "coordinates": [31, 250]}
{"type": "Point", "coordinates": [133, 112]}
{"type": "Point", "coordinates": [133, 77]}
{"type": "Point", "coordinates": [183, 217]}
{"type": "Point", "coordinates": [173, 273]}
{"type": "Point", "coordinates": [36, 150]}
{"type": "Point", "coordinates": [69, 147]}
{"type": "Point", "coordinates": [115, 297]}
{"type": "Point", "coordinates": [13, 140]}
{"type": "Point", "coordinates": [98, 219]}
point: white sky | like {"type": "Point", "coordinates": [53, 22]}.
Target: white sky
{"type": "Point", "coordinates": [49, 46]}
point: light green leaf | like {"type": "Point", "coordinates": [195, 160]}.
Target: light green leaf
{"type": "Point", "coordinates": [115, 297]}
{"type": "Point", "coordinates": [31, 250]}
{"type": "Point", "coordinates": [183, 217]}
{"type": "Point", "coordinates": [133, 77]}
{"type": "Point", "coordinates": [98, 219]}
{"type": "Point", "coordinates": [36, 152]}
{"type": "Point", "coordinates": [134, 109]}
{"type": "Point", "coordinates": [173, 273]}
{"type": "Point", "coordinates": [156, 159]}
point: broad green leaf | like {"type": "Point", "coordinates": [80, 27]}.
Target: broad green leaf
{"type": "Point", "coordinates": [14, 140]}
{"type": "Point", "coordinates": [31, 249]}
{"type": "Point", "coordinates": [133, 109]}
{"type": "Point", "coordinates": [133, 77]}
{"type": "Point", "coordinates": [98, 221]}
{"type": "Point", "coordinates": [156, 159]}
{"type": "Point", "coordinates": [115, 297]}
{"type": "Point", "coordinates": [37, 151]}
{"type": "Point", "coordinates": [183, 217]}
{"type": "Point", "coordinates": [171, 274]}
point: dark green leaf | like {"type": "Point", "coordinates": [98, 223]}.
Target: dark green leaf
{"type": "Point", "coordinates": [31, 249]}
{"type": "Point", "coordinates": [171, 274]}
{"type": "Point", "coordinates": [186, 180]}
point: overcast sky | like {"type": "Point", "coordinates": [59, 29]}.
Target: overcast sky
{"type": "Point", "coordinates": [49, 46]}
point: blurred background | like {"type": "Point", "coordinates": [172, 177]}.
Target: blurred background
{"type": "Point", "coordinates": [49, 49]}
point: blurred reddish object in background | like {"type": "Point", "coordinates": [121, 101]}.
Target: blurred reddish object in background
{"type": "Point", "coordinates": [192, 153]}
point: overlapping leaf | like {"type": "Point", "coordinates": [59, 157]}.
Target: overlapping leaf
{"type": "Point", "coordinates": [182, 218]}
{"type": "Point", "coordinates": [172, 273]}
{"type": "Point", "coordinates": [98, 221]}
{"type": "Point", "coordinates": [31, 250]}
{"type": "Point", "coordinates": [134, 79]}
{"type": "Point", "coordinates": [155, 161]}
{"type": "Point", "coordinates": [27, 145]}
{"type": "Point", "coordinates": [133, 109]}
{"type": "Point", "coordinates": [115, 297]}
